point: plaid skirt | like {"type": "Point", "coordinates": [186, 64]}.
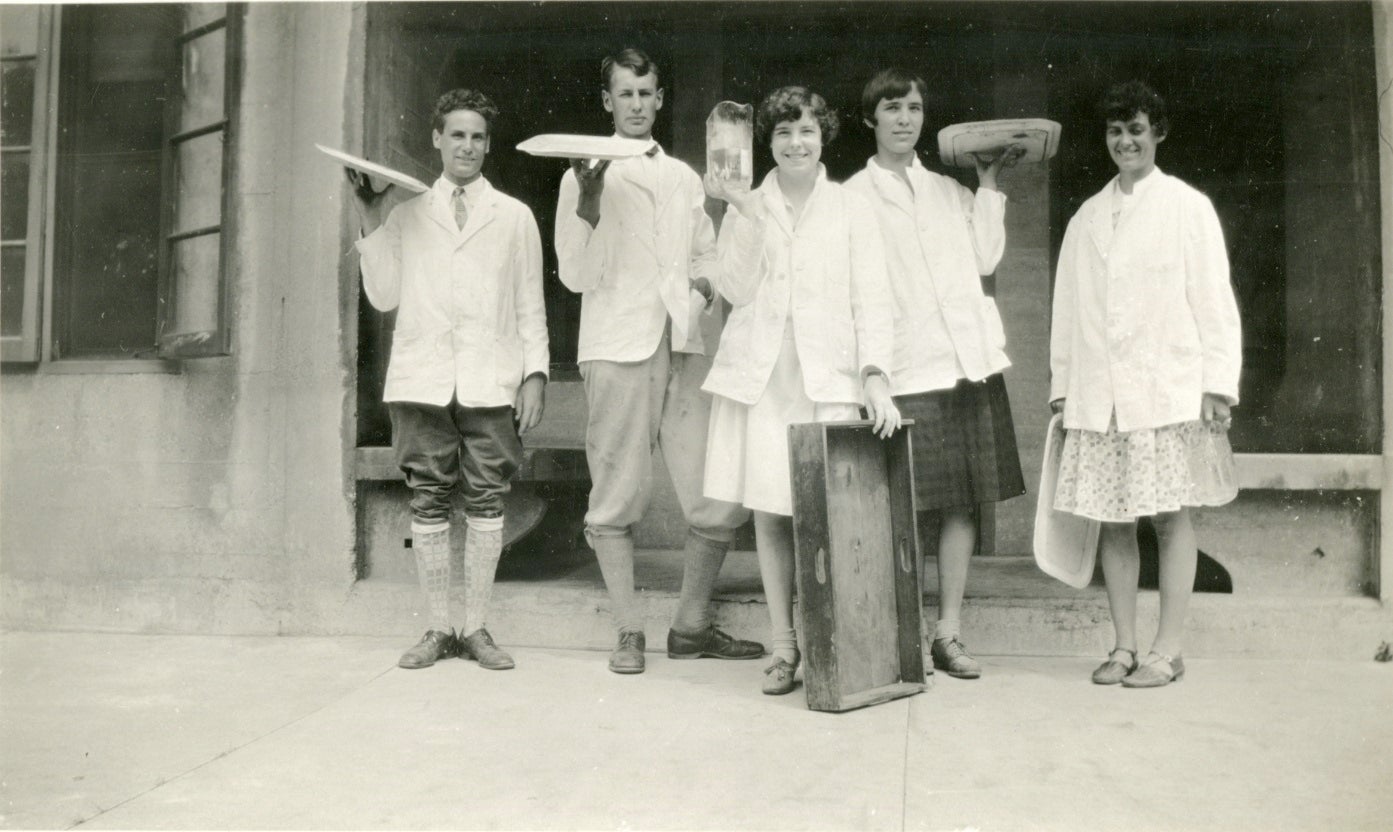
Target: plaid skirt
{"type": "Point", "coordinates": [964, 445]}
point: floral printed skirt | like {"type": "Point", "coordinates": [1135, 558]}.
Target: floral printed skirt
{"type": "Point", "coordinates": [1116, 477]}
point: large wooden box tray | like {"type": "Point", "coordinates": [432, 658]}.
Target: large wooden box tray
{"type": "Point", "coordinates": [857, 563]}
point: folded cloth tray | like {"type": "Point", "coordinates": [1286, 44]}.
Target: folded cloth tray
{"type": "Point", "coordinates": [957, 142]}
{"type": "Point", "coordinates": [396, 177]}
{"type": "Point", "coordinates": [1066, 545]}
{"type": "Point", "coordinates": [575, 146]}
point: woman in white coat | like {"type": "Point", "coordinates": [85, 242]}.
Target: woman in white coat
{"type": "Point", "coordinates": [1145, 353]}
{"type": "Point", "coordinates": [802, 262]}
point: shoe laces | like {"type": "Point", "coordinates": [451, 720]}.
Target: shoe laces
{"type": "Point", "coordinates": [629, 639]}
{"type": "Point", "coordinates": [484, 639]}
{"type": "Point", "coordinates": [954, 649]}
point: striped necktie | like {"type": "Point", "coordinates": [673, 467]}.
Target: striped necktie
{"type": "Point", "coordinates": [460, 206]}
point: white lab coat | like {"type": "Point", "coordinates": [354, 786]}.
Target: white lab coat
{"type": "Point", "coordinates": [939, 240]}
{"type": "Point", "coordinates": [634, 269]}
{"type": "Point", "coordinates": [1145, 320]}
{"type": "Point", "coordinates": [471, 321]}
{"type": "Point", "coordinates": [826, 273]}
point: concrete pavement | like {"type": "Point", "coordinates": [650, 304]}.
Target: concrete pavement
{"type": "Point", "coordinates": [193, 732]}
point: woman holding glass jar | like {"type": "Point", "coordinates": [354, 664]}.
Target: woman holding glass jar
{"type": "Point", "coordinates": [802, 262]}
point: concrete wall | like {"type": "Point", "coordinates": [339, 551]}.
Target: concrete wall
{"type": "Point", "coordinates": [214, 499]}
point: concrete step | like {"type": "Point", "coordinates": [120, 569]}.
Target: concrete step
{"type": "Point", "coordinates": [1012, 609]}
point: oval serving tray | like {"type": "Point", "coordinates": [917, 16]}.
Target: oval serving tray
{"type": "Point", "coordinates": [957, 142]}
{"type": "Point", "coordinates": [576, 146]}
{"type": "Point", "coordinates": [396, 177]}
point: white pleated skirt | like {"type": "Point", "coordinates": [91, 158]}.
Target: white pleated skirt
{"type": "Point", "coordinates": [747, 445]}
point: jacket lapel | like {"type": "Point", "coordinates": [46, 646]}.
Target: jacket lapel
{"type": "Point", "coordinates": [438, 209]}
{"type": "Point", "coordinates": [892, 190]}
{"type": "Point", "coordinates": [1100, 224]}
{"type": "Point", "coordinates": [636, 211]}
{"type": "Point", "coordinates": [483, 214]}
{"type": "Point", "coordinates": [774, 204]}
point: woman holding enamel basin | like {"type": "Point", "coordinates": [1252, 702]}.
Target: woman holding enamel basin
{"type": "Point", "coordinates": [809, 338]}
{"type": "Point", "coordinates": [1145, 354]}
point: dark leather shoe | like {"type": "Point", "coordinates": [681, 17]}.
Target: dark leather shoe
{"type": "Point", "coordinates": [479, 646]}
{"type": "Point", "coordinates": [710, 643]}
{"type": "Point", "coordinates": [434, 645]}
{"type": "Point", "coordinates": [950, 656]}
{"type": "Point", "coordinates": [628, 656]}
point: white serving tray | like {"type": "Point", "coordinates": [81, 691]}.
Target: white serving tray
{"type": "Point", "coordinates": [1066, 545]}
{"type": "Point", "coordinates": [396, 177]}
{"type": "Point", "coordinates": [575, 146]}
{"type": "Point", "coordinates": [957, 142]}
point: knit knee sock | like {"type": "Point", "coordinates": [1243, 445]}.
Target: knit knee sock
{"type": "Point", "coordinates": [483, 544]}
{"type": "Point", "coordinates": [616, 556]}
{"type": "Point", "coordinates": [431, 544]}
{"type": "Point", "coordinates": [701, 564]}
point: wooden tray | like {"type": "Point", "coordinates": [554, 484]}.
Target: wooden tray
{"type": "Point", "coordinates": [957, 142]}
{"type": "Point", "coordinates": [857, 563]}
{"type": "Point", "coordinates": [573, 146]}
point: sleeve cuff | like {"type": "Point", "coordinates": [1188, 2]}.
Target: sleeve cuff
{"type": "Point", "coordinates": [872, 370]}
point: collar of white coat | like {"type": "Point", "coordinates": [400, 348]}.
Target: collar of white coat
{"type": "Point", "coordinates": [653, 153]}
{"type": "Point", "coordinates": [444, 189]}
{"type": "Point", "coordinates": [1139, 188]}
{"type": "Point", "coordinates": [777, 204]}
{"type": "Point", "coordinates": [891, 186]}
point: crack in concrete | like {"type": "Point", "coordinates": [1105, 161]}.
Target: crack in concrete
{"type": "Point", "coordinates": [165, 781]}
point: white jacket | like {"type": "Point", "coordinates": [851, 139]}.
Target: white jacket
{"type": "Point", "coordinates": [827, 273]}
{"type": "Point", "coordinates": [939, 240]}
{"type": "Point", "coordinates": [1145, 321]}
{"type": "Point", "coordinates": [634, 268]}
{"type": "Point", "coordinates": [471, 322]}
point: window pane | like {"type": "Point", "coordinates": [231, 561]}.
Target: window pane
{"type": "Point", "coordinates": [16, 102]}
{"type": "Point", "coordinates": [194, 263]}
{"type": "Point", "coordinates": [204, 58]}
{"type": "Point", "coordinates": [12, 290]}
{"type": "Point", "coordinates": [197, 14]}
{"type": "Point", "coordinates": [19, 30]}
{"type": "Point", "coordinates": [198, 183]}
{"type": "Point", "coordinates": [14, 196]}
{"type": "Point", "coordinates": [111, 120]}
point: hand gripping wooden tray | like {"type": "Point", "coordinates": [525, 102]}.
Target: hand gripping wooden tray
{"type": "Point", "coordinates": [857, 564]}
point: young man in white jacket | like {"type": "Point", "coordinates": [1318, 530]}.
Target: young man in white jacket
{"type": "Point", "coordinates": [634, 239]}
{"type": "Point", "coordinates": [462, 265]}
{"type": "Point", "coordinates": [940, 238]}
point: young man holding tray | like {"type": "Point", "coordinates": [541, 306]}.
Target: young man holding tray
{"type": "Point", "coordinates": [462, 265]}
{"type": "Point", "coordinates": [633, 237]}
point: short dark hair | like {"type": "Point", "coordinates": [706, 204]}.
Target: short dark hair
{"type": "Point", "coordinates": [634, 60]}
{"type": "Point", "coordinates": [1125, 100]}
{"type": "Point", "coordinates": [787, 104]}
{"type": "Point", "coordinates": [889, 83]}
{"type": "Point", "coordinates": [462, 99]}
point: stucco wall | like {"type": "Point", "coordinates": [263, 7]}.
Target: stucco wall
{"type": "Point", "coordinates": [213, 499]}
